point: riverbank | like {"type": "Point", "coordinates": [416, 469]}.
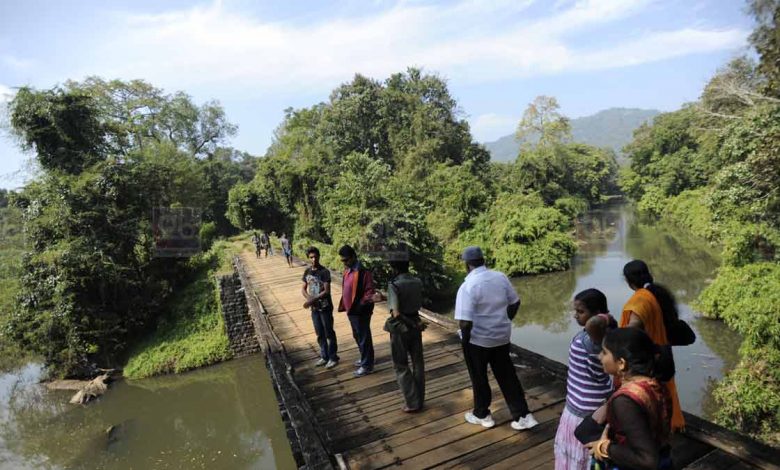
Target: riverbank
{"type": "Point", "coordinates": [745, 294]}
{"type": "Point", "coordinates": [191, 333]}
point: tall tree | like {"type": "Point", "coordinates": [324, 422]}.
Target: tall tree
{"type": "Point", "coordinates": [543, 124]}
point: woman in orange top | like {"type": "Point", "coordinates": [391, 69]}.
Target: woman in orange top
{"type": "Point", "coordinates": [650, 308]}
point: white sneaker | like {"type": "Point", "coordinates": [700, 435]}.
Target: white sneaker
{"type": "Point", "coordinates": [321, 362]}
{"type": "Point", "coordinates": [331, 364]}
{"type": "Point", "coordinates": [486, 422]}
{"type": "Point", "coordinates": [526, 422]}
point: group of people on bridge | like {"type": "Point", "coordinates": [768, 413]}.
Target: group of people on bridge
{"type": "Point", "coordinates": [621, 401]}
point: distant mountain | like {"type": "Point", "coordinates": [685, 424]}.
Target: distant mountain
{"type": "Point", "coordinates": [613, 128]}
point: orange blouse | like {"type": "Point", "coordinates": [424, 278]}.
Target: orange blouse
{"type": "Point", "coordinates": [644, 305]}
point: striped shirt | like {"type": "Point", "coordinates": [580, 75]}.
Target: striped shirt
{"type": "Point", "coordinates": [587, 385]}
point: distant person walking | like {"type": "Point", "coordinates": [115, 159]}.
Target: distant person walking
{"type": "Point", "coordinates": [357, 294]}
{"type": "Point", "coordinates": [404, 300]}
{"type": "Point", "coordinates": [264, 243]}
{"type": "Point", "coordinates": [587, 385]}
{"type": "Point", "coordinates": [271, 245]}
{"type": "Point", "coordinates": [650, 309]}
{"type": "Point", "coordinates": [286, 249]}
{"type": "Point", "coordinates": [256, 243]}
{"type": "Point", "coordinates": [316, 291]}
{"type": "Point", "coordinates": [485, 306]}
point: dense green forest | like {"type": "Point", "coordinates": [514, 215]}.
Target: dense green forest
{"type": "Point", "coordinates": [390, 162]}
{"type": "Point", "coordinates": [107, 153]}
{"type": "Point", "coordinates": [713, 167]}
{"type": "Point", "coordinates": [393, 162]}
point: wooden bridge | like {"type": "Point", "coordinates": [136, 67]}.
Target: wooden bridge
{"type": "Point", "coordinates": [340, 421]}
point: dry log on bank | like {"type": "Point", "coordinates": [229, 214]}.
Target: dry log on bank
{"type": "Point", "coordinates": [86, 390]}
{"type": "Point", "coordinates": [93, 389]}
{"type": "Point", "coordinates": [66, 384]}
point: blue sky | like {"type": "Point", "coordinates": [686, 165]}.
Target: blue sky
{"type": "Point", "coordinates": [258, 58]}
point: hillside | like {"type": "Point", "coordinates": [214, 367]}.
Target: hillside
{"type": "Point", "coordinates": [611, 128]}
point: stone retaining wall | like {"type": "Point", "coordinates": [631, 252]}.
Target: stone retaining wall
{"type": "Point", "coordinates": [240, 330]}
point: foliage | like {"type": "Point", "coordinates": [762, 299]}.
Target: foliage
{"type": "Point", "coordinates": [748, 300]}
{"type": "Point", "coordinates": [110, 152]}
{"type": "Point", "coordinates": [456, 197]}
{"type": "Point", "coordinates": [554, 168]}
{"type": "Point", "coordinates": [690, 211]}
{"type": "Point", "coordinates": [522, 236]}
{"type": "Point", "coordinates": [767, 42]}
{"type": "Point", "coordinates": [191, 331]}
{"type": "Point", "coordinates": [749, 397]}
{"type": "Point", "coordinates": [542, 122]}
{"type": "Point", "coordinates": [11, 249]}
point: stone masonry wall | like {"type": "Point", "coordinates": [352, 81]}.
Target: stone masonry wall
{"type": "Point", "coordinates": [240, 330]}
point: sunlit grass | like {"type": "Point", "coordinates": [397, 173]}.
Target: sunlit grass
{"type": "Point", "coordinates": [192, 332]}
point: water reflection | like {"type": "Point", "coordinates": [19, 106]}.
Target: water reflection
{"type": "Point", "coordinates": [609, 238]}
{"type": "Point", "coordinates": [219, 417]}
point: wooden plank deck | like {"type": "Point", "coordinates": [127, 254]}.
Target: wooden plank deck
{"type": "Point", "coordinates": [359, 421]}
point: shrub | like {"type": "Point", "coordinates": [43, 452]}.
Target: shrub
{"type": "Point", "coordinates": [749, 397]}
{"type": "Point", "coordinates": [747, 298]}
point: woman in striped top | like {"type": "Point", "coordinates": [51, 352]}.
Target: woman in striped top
{"type": "Point", "coordinates": [587, 385]}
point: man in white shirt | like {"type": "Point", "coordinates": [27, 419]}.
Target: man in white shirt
{"type": "Point", "coordinates": [484, 307]}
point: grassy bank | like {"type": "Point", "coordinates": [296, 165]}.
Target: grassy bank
{"type": "Point", "coordinates": [192, 332]}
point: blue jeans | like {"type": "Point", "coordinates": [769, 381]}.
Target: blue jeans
{"type": "Point", "coordinates": [326, 337]}
{"type": "Point", "coordinates": [361, 331]}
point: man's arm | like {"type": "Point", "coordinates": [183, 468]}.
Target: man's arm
{"type": "Point", "coordinates": [368, 288]}
{"type": "Point", "coordinates": [305, 293]}
{"type": "Point", "coordinates": [392, 300]}
{"type": "Point", "coordinates": [465, 330]}
{"type": "Point", "coordinates": [513, 300]}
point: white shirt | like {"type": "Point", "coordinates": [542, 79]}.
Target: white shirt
{"type": "Point", "coordinates": [482, 299]}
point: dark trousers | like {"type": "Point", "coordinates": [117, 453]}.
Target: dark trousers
{"type": "Point", "coordinates": [361, 331]}
{"type": "Point", "coordinates": [477, 360]}
{"type": "Point", "coordinates": [326, 337]}
{"type": "Point", "coordinates": [411, 380]}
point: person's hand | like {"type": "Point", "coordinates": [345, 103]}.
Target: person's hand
{"type": "Point", "coordinates": [598, 448]}
{"type": "Point", "coordinates": [307, 304]}
{"type": "Point", "coordinates": [378, 297]}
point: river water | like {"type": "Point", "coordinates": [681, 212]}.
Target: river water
{"type": "Point", "coordinates": [225, 416]}
{"type": "Point", "coordinates": [609, 238]}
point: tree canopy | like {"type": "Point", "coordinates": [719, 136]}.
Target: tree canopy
{"type": "Point", "coordinates": [109, 153]}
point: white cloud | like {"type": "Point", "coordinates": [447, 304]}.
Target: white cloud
{"type": "Point", "coordinates": [14, 63]}
{"type": "Point", "coordinates": [491, 126]}
{"type": "Point", "coordinates": [663, 45]}
{"type": "Point", "coordinates": [208, 46]}
{"type": "Point", "coordinates": [6, 94]}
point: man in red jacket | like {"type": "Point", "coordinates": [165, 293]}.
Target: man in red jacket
{"type": "Point", "coordinates": [357, 292]}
